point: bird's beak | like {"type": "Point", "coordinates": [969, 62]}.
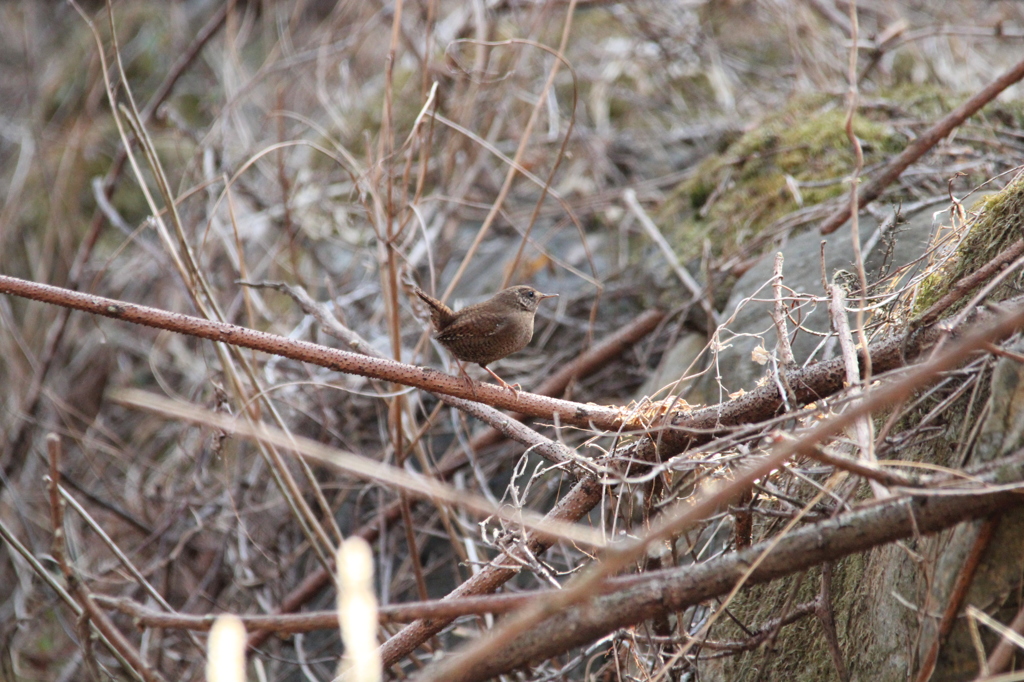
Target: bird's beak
{"type": "Point", "coordinates": [543, 296]}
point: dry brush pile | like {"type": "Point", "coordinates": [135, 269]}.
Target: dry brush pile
{"type": "Point", "coordinates": [243, 198]}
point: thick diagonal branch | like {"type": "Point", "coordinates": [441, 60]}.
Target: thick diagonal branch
{"type": "Point", "coordinates": [700, 426]}
{"type": "Point", "coordinates": [657, 593]}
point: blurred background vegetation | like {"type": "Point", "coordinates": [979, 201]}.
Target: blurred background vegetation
{"type": "Point", "coordinates": [356, 148]}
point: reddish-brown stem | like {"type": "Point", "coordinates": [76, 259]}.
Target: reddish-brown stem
{"type": "Point", "coordinates": [958, 595]}
{"type": "Point", "coordinates": [351, 363]}
{"type": "Point", "coordinates": [916, 149]}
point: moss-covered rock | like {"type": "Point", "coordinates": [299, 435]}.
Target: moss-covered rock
{"type": "Point", "coordinates": [799, 157]}
{"type": "Point", "coordinates": [996, 222]}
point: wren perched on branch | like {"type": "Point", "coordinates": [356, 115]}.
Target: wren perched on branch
{"type": "Point", "coordinates": [487, 331]}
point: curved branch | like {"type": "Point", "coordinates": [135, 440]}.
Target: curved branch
{"type": "Point", "coordinates": [566, 411]}
{"type": "Point", "coordinates": [696, 428]}
{"type": "Point", "coordinates": [668, 591]}
{"type": "Point", "coordinates": [916, 149]}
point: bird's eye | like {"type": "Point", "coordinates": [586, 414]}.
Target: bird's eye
{"type": "Point", "coordinates": [530, 294]}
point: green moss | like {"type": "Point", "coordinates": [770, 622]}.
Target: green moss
{"type": "Point", "coordinates": [789, 657]}
{"type": "Point", "coordinates": [192, 108]}
{"type": "Point", "coordinates": [929, 291]}
{"type": "Point", "coordinates": [619, 108]}
{"type": "Point", "coordinates": [797, 157]}
{"type": "Point", "coordinates": [1008, 113]}
{"type": "Point", "coordinates": [999, 223]}
{"type": "Point", "coordinates": [698, 190]}
{"type": "Point", "coordinates": [921, 100]}
{"type": "Point", "coordinates": [695, 87]}
{"type": "Point", "coordinates": [860, 582]}
{"type": "Point", "coordinates": [929, 102]}
{"type": "Point", "coordinates": [903, 67]}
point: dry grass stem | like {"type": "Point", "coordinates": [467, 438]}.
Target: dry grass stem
{"type": "Point", "coordinates": [711, 472]}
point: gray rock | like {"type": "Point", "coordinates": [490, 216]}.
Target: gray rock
{"type": "Point", "coordinates": [747, 316]}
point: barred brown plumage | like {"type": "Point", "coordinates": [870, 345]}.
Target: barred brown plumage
{"type": "Point", "coordinates": [486, 331]}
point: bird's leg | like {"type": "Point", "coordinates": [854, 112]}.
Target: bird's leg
{"type": "Point", "coordinates": [469, 381]}
{"type": "Point", "coordinates": [515, 388]}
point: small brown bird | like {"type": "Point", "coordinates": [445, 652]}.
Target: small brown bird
{"type": "Point", "coordinates": [487, 331]}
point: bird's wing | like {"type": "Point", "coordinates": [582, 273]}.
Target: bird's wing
{"type": "Point", "coordinates": [481, 324]}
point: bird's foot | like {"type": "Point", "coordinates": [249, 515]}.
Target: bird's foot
{"type": "Point", "coordinates": [515, 388]}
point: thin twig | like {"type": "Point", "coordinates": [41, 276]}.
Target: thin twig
{"type": "Point", "coordinates": [587, 493]}
{"type": "Point", "coordinates": [922, 144]}
{"type": "Point", "coordinates": [828, 622]}
{"type": "Point", "coordinates": [113, 637]}
{"type": "Point", "coordinates": [958, 595]}
{"type": "Point", "coordinates": [674, 590]}
{"type": "Point", "coordinates": [383, 474]}
{"type": "Point", "coordinates": [778, 313]}
{"type": "Point", "coordinates": [595, 358]}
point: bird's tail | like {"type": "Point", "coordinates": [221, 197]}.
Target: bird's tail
{"type": "Point", "coordinates": [440, 314]}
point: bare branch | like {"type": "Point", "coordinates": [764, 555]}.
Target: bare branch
{"type": "Point", "coordinates": [916, 149]}
{"type": "Point", "coordinates": [672, 590]}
